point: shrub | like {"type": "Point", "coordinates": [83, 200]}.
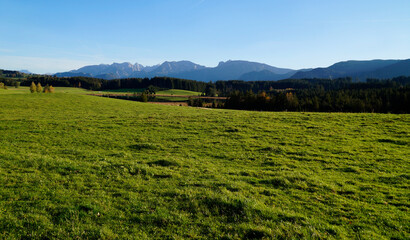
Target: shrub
{"type": "Point", "coordinates": [144, 97]}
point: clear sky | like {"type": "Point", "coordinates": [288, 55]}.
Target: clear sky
{"type": "Point", "coordinates": [50, 36]}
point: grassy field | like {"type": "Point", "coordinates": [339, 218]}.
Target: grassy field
{"type": "Point", "coordinates": [26, 90]}
{"type": "Point", "coordinates": [163, 92]}
{"type": "Point", "coordinates": [176, 92]}
{"type": "Point", "coordinates": [179, 92]}
{"type": "Point", "coordinates": [124, 90]}
{"type": "Point", "coordinates": [74, 166]}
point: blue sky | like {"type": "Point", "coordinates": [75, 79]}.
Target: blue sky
{"type": "Point", "coordinates": [50, 36]}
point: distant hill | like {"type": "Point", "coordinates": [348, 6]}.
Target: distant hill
{"type": "Point", "coordinates": [401, 68]}
{"type": "Point", "coordinates": [115, 70]}
{"type": "Point", "coordinates": [75, 74]}
{"type": "Point", "coordinates": [360, 70]}
{"type": "Point", "coordinates": [230, 70]}
{"type": "Point", "coordinates": [175, 67]}
{"type": "Point", "coordinates": [244, 70]}
{"type": "Point", "coordinates": [128, 70]}
{"type": "Point", "coordinates": [12, 74]}
{"type": "Point", "coordinates": [264, 75]}
{"type": "Point", "coordinates": [25, 71]}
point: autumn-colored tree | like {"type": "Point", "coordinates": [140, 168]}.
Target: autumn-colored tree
{"type": "Point", "coordinates": [48, 89]}
{"type": "Point", "coordinates": [39, 88]}
{"type": "Point", "coordinates": [33, 87]}
{"type": "Point", "coordinates": [289, 96]}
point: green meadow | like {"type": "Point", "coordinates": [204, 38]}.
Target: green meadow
{"type": "Point", "coordinates": [180, 94]}
{"type": "Point", "coordinates": [124, 90]}
{"type": "Point", "coordinates": [74, 166]}
{"type": "Point", "coordinates": [163, 92]}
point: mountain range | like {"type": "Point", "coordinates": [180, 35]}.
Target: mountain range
{"type": "Point", "coordinates": [245, 70]}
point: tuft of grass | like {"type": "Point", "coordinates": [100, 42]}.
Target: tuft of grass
{"type": "Point", "coordinates": [164, 163]}
{"type": "Point", "coordinates": [143, 146]}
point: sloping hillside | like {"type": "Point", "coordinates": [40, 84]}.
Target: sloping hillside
{"type": "Point", "coordinates": [360, 70]}
{"type": "Point", "coordinates": [81, 167]}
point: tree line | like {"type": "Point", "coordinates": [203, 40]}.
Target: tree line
{"type": "Point", "coordinates": [382, 100]}
{"type": "Point", "coordinates": [323, 95]}
{"type": "Point", "coordinates": [225, 88]}
{"type": "Point", "coordinates": [341, 95]}
{"type": "Point", "coordinates": [11, 74]}
{"type": "Point", "coordinates": [102, 84]}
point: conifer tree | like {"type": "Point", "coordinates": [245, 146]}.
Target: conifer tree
{"type": "Point", "coordinates": [39, 88]}
{"type": "Point", "coordinates": [33, 87]}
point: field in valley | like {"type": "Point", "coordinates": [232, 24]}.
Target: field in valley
{"type": "Point", "coordinates": [167, 97]}
{"type": "Point", "coordinates": [74, 166]}
{"type": "Point", "coordinates": [162, 92]}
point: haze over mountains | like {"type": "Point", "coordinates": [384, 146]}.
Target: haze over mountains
{"type": "Point", "coordinates": [245, 70]}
